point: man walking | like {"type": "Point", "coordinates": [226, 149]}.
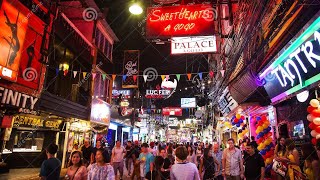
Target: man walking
{"type": "Point", "coordinates": [146, 160]}
{"type": "Point", "coordinates": [86, 150]}
{"type": "Point", "coordinates": [254, 163]}
{"type": "Point", "coordinates": [232, 162]}
{"type": "Point", "coordinates": [118, 152]}
{"type": "Point", "coordinates": [129, 160]}
{"type": "Point", "coordinates": [50, 168]}
{"type": "Point", "coordinates": [218, 156]}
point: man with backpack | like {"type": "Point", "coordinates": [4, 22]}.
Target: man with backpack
{"type": "Point", "coordinates": [117, 160]}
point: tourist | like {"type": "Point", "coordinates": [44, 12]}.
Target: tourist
{"type": "Point", "coordinates": [207, 165]}
{"type": "Point", "coordinates": [94, 151]}
{"type": "Point", "coordinates": [165, 166]}
{"type": "Point", "coordinates": [50, 168]}
{"type": "Point", "coordinates": [191, 155]}
{"type": "Point", "coordinates": [253, 142]}
{"type": "Point", "coordinates": [76, 170]}
{"type": "Point", "coordinates": [155, 173]}
{"type": "Point", "coordinates": [101, 169]}
{"type": "Point", "coordinates": [135, 157]}
{"type": "Point", "coordinates": [218, 156]}
{"type": "Point", "coordinates": [199, 153]}
{"type": "Point", "coordinates": [311, 163]}
{"type": "Point", "coordinates": [232, 162]}
{"type": "Point", "coordinates": [146, 160]}
{"type": "Point", "coordinates": [254, 163]}
{"type": "Point", "coordinates": [183, 170]}
{"type": "Point", "coordinates": [86, 150]}
{"type": "Point", "coordinates": [117, 161]}
{"type": "Point", "coordinates": [128, 157]}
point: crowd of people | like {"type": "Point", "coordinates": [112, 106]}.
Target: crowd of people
{"type": "Point", "coordinates": [163, 161]}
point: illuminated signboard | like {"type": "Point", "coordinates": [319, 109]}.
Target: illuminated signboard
{"type": "Point", "coordinates": [24, 102]}
{"type": "Point", "coordinates": [125, 93]}
{"type": "Point", "coordinates": [226, 102]}
{"type": "Point", "coordinates": [100, 112]}
{"type": "Point", "coordinates": [21, 37]}
{"type": "Point", "coordinates": [36, 121]}
{"type": "Point", "coordinates": [172, 111]}
{"type": "Point", "coordinates": [297, 66]}
{"type": "Point", "coordinates": [184, 20]}
{"type": "Point", "coordinates": [188, 102]}
{"type": "Point", "coordinates": [190, 45]}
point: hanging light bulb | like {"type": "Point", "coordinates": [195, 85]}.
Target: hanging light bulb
{"type": "Point", "coordinates": [135, 9]}
{"type": "Point", "coordinates": [303, 96]}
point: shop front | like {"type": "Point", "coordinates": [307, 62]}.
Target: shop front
{"type": "Point", "coordinates": [291, 80]}
{"type": "Point", "coordinates": [28, 138]}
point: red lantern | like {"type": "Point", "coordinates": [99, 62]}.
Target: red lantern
{"type": "Point", "coordinates": [314, 141]}
{"type": "Point", "coordinates": [317, 129]}
{"type": "Point", "coordinates": [310, 109]}
{"type": "Point", "coordinates": [312, 126]}
{"type": "Point", "coordinates": [316, 112]}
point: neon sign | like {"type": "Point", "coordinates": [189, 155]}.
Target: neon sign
{"type": "Point", "coordinates": [163, 22]}
{"type": "Point", "coordinates": [297, 67]}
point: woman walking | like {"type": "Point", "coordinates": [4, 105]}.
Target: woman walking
{"type": "Point", "coordinates": [76, 170]}
{"type": "Point", "coordinates": [101, 169]}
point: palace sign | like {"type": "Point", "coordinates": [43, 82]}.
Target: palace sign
{"type": "Point", "coordinates": [186, 20]}
{"type": "Point", "coordinates": [297, 66]}
{"type": "Point", "coordinates": [190, 45]}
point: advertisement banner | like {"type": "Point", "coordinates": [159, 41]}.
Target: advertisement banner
{"type": "Point", "coordinates": [130, 69]}
{"type": "Point", "coordinates": [193, 45]}
{"type": "Point", "coordinates": [183, 20]}
{"type": "Point", "coordinates": [172, 111]}
{"type": "Point", "coordinates": [21, 35]}
{"type": "Point", "coordinates": [296, 65]}
{"type": "Point", "coordinates": [100, 112]}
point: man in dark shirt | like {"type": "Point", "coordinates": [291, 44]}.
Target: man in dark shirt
{"type": "Point", "coordinates": [86, 152]}
{"type": "Point", "coordinates": [128, 157]}
{"type": "Point", "coordinates": [254, 143]}
{"type": "Point", "coordinates": [254, 163]}
{"type": "Point", "coordinates": [50, 168]}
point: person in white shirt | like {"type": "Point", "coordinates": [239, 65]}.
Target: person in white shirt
{"type": "Point", "coordinates": [232, 162]}
{"type": "Point", "coordinates": [117, 159]}
{"type": "Point", "coordinates": [183, 170]}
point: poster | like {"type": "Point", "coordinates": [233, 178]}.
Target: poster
{"type": "Point", "coordinates": [130, 69]}
{"type": "Point", "coordinates": [22, 38]}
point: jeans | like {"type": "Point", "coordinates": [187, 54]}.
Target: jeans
{"type": "Point", "coordinates": [129, 164]}
{"type": "Point", "coordinates": [116, 166]}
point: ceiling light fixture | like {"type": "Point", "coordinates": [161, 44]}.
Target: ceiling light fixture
{"type": "Point", "coordinates": [135, 9]}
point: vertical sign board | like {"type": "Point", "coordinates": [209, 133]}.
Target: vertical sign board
{"type": "Point", "coordinates": [130, 69]}
{"type": "Point", "coordinates": [297, 66]}
{"type": "Point", "coordinates": [183, 20]}
{"type": "Point", "coordinates": [21, 35]}
{"type": "Point", "coordinates": [226, 102]}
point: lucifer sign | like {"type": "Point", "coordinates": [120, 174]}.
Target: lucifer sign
{"type": "Point", "coordinates": [190, 45]}
{"type": "Point", "coordinates": [186, 20]}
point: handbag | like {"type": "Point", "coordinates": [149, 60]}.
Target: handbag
{"type": "Point", "coordinates": [280, 168]}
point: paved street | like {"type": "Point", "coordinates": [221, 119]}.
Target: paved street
{"type": "Point", "coordinates": [33, 173]}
